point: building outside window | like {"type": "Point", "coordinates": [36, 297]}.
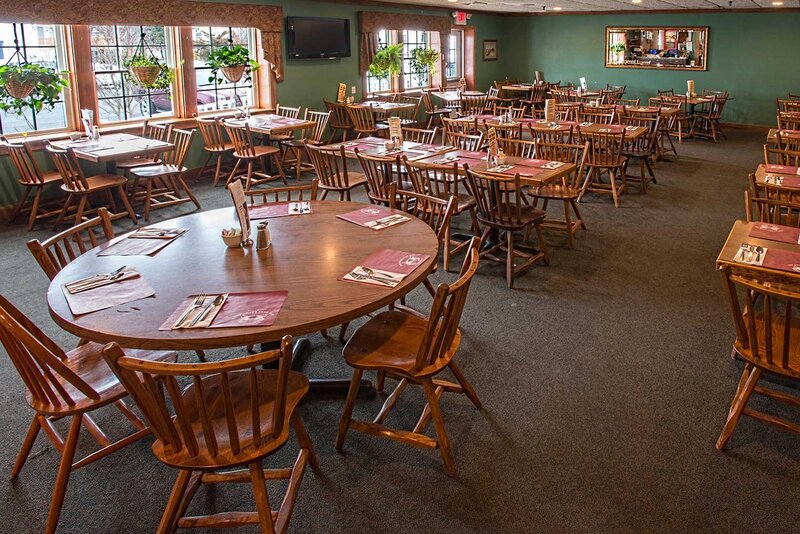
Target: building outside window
{"type": "Point", "coordinates": [212, 95]}
{"type": "Point", "coordinates": [43, 45]}
{"type": "Point", "coordinates": [413, 79]}
{"type": "Point", "coordinates": [375, 84]}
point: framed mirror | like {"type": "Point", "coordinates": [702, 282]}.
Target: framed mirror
{"type": "Point", "coordinates": [657, 47]}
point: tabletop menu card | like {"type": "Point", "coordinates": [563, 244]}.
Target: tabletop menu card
{"type": "Point", "coordinates": [240, 203]}
{"type": "Point", "coordinates": [492, 137]}
{"type": "Point", "coordinates": [340, 95]}
{"type": "Point", "coordinates": [395, 130]}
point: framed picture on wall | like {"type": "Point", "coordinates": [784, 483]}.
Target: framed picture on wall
{"type": "Point", "coordinates": [490, 50]}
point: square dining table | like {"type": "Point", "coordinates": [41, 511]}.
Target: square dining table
{"type": "Point", "coordinates": [772, 135]}
{"type": "Point", "coordinates": [790, 176]}
{"type": "Point", "coordinates": [740, 233]}
{"type": "Point", "coordinates": [374, 146]}
{"type": "Point", "coordinates": [111, 148]}
{"type": "Point", "coordinates": [271, 124]}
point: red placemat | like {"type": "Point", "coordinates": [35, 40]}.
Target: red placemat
{"type": "Point", "coordinates": [782, 260]}
{"type": "Point", "coordinates": [387, 262]}
{"type": "Point", "coordinates": [782, 169]}
{"type": "Point", "coordinates": [364, 216]}
{"type": "Point", "coordinates": [134, 247]}
{"type": "Point", "coordinates": [776, 232]}
{"type": "Point", "coordinates": [240, 310]}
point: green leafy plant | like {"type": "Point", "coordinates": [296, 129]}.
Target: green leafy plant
{"type": "Point", "coordinates": [617, 47]}
{"type": "Point", "coordinates": [45, 86]}
{"type": "Point", "coordinates": [227, 59]}
{"type": "Point", "coordinates": [425, 59]}
{"type": "Point", "coordinates": [388, 62]}
{"type": "Point", "coordinates": [148, 72]}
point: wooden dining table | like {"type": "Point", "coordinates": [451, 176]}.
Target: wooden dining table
{"type": "Point", "coordinates": [740, 233]}
{"type": "Point", "coordinates": [454, 97]}
{"type": "Point", "coordinates": [375, 146]}
{"type": "Point", "coordinates": [309, 254]}
{"type": "Point", "coordinates": [530, 170]}
{"type": "Point", "coordinates": [792, 184]}
{"type": "Point", "coordinates": [772, 135]}
{"type": "Point", "coordinates": [272, 124]}
{"type": "Point", "coordinates": [631, 132]}
{"type": "Point", "coordinates": [114, 147]}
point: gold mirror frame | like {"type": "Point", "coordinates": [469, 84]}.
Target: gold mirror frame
{"type": "Point", "coordinates": [607, 53]}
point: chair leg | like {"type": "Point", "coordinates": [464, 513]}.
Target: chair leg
{"type": "Point", "coordinates": [510, 259]}
{"type": "Point", "coordinates": [34, 208]}
{"type": "Point", "coordinates": [577, 213]}
{"type": "Point", "coordinates": [469, 391]}
{"type": "Point", "coordinates": [347, 413]}
{"type": "Point", "coordinates": [262, 498]}
{"type": "Point", "coordinates": [438, 423]}
{"type": "Point", "coordinates": [343, 331]}
{"type": "Point", "coordinates": [20, 203]}
{"type": "Point", "coordinates": [127, 205]}
{"type": "Point", "coordinates": [446, 251]}
{"type": "Point", "coordinates": [64, 470]}
{"type": "Point", "coordinates": [27, 445]}
{"type": "Point", "coordinates": [249, 175]}
{"type": "Point", "coordinates": [613, 179]}
{"type": "Point", "coordinates": [279, 164]}
{"type": "Point", "coordinates": [232, 175]}
{"type": "Point", "coordinates": [79, 211]}
{"type": "Point", "coordinates": [217, 169]}
{"type": "Point", "coordinates": [148, 199]}
{"type": "Point", "coordinates": [380, 380]}
{"type": "Point", "coordinates": [205, 164]}
{"type": "Point", "coordinates": [305, 440]}
{"type": "Point", "coordinates": [568, 221]}
{"type": "Point", "coordinates": [62, 215]}
{"type": "Point", "coordinates": [739, 402]}
{"type": "Point", "coordinates": [169, 519]}
{"type": "Point", "coordinates": [188, 191]}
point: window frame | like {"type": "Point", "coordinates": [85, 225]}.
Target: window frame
{"type": "Point", "coordinates": [63, 61]}
{"type": "Point", "coordinates": [459, 61]}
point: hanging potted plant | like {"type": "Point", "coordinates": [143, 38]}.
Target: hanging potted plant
{"type": "Point", "coordinates": [233, 61]}
{"type": "Point", "coordinates": [148, 72]}
{"type": "Point", "coordinates": [425, 59]}
{"type": "Point", "coordinates": [27, 86]}
{"type": "Point", "coordinates": [388, 61]}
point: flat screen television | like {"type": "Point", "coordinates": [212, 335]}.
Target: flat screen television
{"type": "Point", "coordinates": [317, 38]}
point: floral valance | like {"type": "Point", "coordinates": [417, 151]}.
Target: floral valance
{"type": "Point", "coordinates": [267, 19]}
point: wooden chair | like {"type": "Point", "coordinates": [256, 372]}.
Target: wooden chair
{"type": "Point", "coordinates": [169, 173]}
{"type": "Point", "coordinates": [618, 88]}
{"type": "Point", "coordinates": [789, 120]}
{"type": "Point", "coordinates": [330, 165]}
{"type": "Point", "coordinates": [773, 204]}
{"type": "Point", "coordinates": [444, 182]}
{"type": "Point", "coordinates": [311, 136]}
{"type": "Point", "coordinates": [629, 102]}
{"type": "Point", "coordinates": [381, 172]}
{"type": "Point", "coordinates": [644, 148]}
{"type": "Point", "coordinates": [567, 111]}
{"type": "Point", "coordinates": [782, 155]}
{"type": "Point", "coordinates": [604, 157]}
{"type": "Point", "coordinates": [520, 148]}
{"type": "Point", "coordinates": [289, 113]}
{"type": "Point", "coordinates": [714, 92]}
{"type": "Point", "coordinates": [78, 187]}
{"type": "Point", "coordinates": [550, 136]}
{"type": "Point", "coordinates": [54, 253]}
{"type": "Point", "coordinates": [459, 126]}
{"type": "Point", "coordinates": [232, 414]}
{"type": "Point", "coordinates": [462, 141]}
{"type": "Point", "coordinates": [676, 124]}
{"type": "Point", "coordinates": [65, 385]}
{"type": "Point", "coordinates": [473, 104]}
{"type": "Point", "coordinates": [291, 193]}
{"type": "Point", "coordinates": [504, 131]}
{"type": "Point", "coordinates": [563, 96]}
{"type": "Point", "coordinates": [666, 92]}
{"type": "Point", "coordinates": [515, 113]}
{"type": "Point", "coordinates": [787, 106]}
{"type": "Point", "coordinates": [597, 114]}
{"type": "Point", "coordinates": [363, 119]}
{"type": "Point", "coordinates": [764, 307]}
{"type": "Point", "coordinates": [245, 150]}
{"type": "Point", "coordinates": [413, 350]}
{"type": "Point", "coordinates": [214, 142]}
{"type": "Point", "coordinates": [786, 143]}
{"type": "Point", "coordinates": [791, 96]}
{"type": "Point", "coordinates": [536, 97]}
{"type": "Point", "coordinates": [157, 132]}
{"type": "Point", "coordinates": [339, 121]}
{"type": "Point", "coordinates": [567, 191]}
{"type": "Point", "coordinates": [706, 123]}
{"type": "Point", "coordinates": [417, 135]}
{"type": "Point", "coordinates": [32, 179]}
{"type": "Point", "coordinates": [500, 208]}
{"type": "Point", "coordinates": [408, 117]}
{"type": "Point", "coordinates": [434, 114]}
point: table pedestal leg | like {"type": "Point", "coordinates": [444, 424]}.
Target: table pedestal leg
{"type": "Point", "coordinates": [319, 387]}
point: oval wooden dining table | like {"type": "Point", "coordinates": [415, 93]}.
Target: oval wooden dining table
{"type": "Point", "coordinates": [309, 254]}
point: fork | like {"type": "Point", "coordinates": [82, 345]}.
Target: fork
{"type": "Point", "coordinates": [206, 310]}
{"type": "Point", "coordinates": [198, 301]}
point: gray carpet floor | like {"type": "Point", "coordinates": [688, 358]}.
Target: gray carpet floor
{"type": "Point", "coordinates": [605, 378]}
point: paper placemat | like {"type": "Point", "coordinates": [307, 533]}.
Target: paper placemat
{"type": "Point", "coordinates": [284, 209]}
{"type": "Point", "coordinates": [108, 296]}
{"type": "Point", "coordinates": [776, 232]}
{"type": "Point", "coordinates": [241, 310]}
{"type": "Point", "coordinates": [131, 245]}
{"type": "Point", "coordinates": [374, 218]}
{"type": "Point", "coordinates": [385, 267]}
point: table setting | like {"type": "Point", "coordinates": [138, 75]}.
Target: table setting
{"type": "Point", "coordinates": [105, 290]}
{"type": "Point", "coordinates": [226, 310]}
{"type": "Point", "coordinates": [284, 209]}
{"type": "Point", "coordinates": [385, 268]}
{"type": "Point", "coordinates": [374, 218]}
{"type": "Point", "coordinates": [142, 242]}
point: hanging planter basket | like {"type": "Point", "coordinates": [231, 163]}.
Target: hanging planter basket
{"type": "Point", "coordinates": [19, 88]}
{"type": "Point", "coordinates": [234, 73]}
{"type": "Point", "coordinates": [145, 76]}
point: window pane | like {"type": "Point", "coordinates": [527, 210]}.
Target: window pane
{"type": "Point", "coordinates": [212, 95]}
{"type": "Point", "coordinates": [118, 98]}
{"type": "Point", "coordinates": [38, 44]}
{"type": "Point", "coordinates": [375, 84]}
{"type": "Point", "coordinates": [411, 77]}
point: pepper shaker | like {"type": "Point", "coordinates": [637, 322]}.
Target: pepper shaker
{"type": "Point", "coordinates": [263, 240]}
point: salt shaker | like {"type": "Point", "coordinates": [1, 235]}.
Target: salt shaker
{"type": "Point", "coordinates": [95, 133]}
{"type": "Point", "coordinates": [263, 240]}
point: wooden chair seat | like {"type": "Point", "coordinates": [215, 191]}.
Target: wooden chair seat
{"type": "Point", "coordinates": [764, 358]}
{"type": "Point", "coordinates": [137, 162]}
{"type": "Point", "coordinates": [154, 171]}
{"type": "Point", "coordinates": [99, 182]}
{"type": "Point", "coordinates": [528, 216]}
{"type": "Point", "coordinates": [390, 342]}
{"type": "Point", "coordinates": [356, 179]}
{"type": "Point", "coordinates": [49, 177]}
{"type": "Point", "coordinates": [555, 192]}
{"type": "Point", "coordinates": [88, 363]}
{"type": "Point", "coordinates": [259, 152]}
{"type": "Point", "coordinates": [250, 449]}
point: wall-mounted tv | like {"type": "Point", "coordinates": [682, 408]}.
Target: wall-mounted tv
{"type": "Point", "coordinates": [317, 38]}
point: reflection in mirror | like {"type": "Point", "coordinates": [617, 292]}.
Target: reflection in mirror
{"type": "Point", "coordinates": [680, 48]}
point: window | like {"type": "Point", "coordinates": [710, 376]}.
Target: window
{"type": "Point", "coordinates": [43, 45]}
{"type": "Point", "coordinates": [375, 84]}
{"type": "Point", "coordinates": [119, 99]}
{"type": "Point", "coordinates": [455, 55]}
{"type": "Point", "coordinates": [413, 79]}
{"type": "Point", "coordinates": [210, 94]}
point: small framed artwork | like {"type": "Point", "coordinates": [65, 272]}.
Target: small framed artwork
{"type": "Point", "coordinates": [490, 50]}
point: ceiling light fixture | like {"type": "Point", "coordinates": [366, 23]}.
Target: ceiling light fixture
{"type": "Point", "coordinates": [636, 1]}
{"type": "Point", "coordinates": [452, 1]}
{"type": "Point", "coordinates": [777, 3]}
{"type": "Point", "coordinates": [556, 8]}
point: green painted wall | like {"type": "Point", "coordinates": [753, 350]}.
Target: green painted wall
{"type": "Point", "coordinates": [752, 55]}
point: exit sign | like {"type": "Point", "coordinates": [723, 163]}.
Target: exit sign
{"type": "Point", "coordinates": [461, 18]}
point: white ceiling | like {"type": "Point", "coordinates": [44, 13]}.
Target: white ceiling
{"type": "Point", "coordinates": [539, 6]}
